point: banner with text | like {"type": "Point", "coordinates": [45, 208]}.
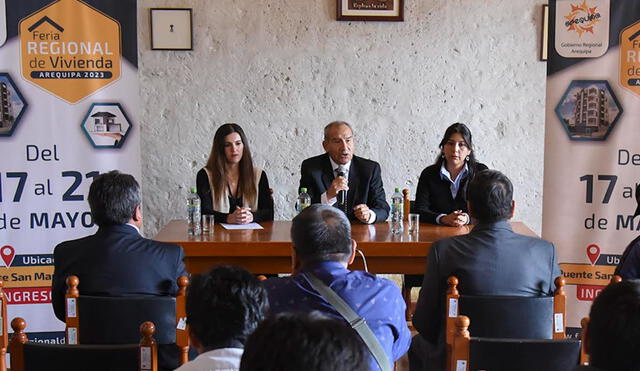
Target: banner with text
{"type": "Point", "coordinates": [68, 111]}
{"type": "Point", "coordinates": [592, 151]}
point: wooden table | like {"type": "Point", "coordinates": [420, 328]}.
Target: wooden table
{"type": "Point", "coordinates": [269, 250]}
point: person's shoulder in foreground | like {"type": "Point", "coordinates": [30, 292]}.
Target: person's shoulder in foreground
{"type": "Point", "coordinates": [612, 336]}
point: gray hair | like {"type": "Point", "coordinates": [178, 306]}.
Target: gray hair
{"type": "Point", "coordinates": [321, 233]}
{"type": "Point", "coordinates": [332, 124]}
{"type": "Point", "coordinates": [113, 198]}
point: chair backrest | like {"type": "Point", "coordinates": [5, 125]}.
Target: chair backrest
{"type": "Point", "coordinates": [28, 356]}
{"type": "Point", "coordinates": [538, 317]}
{"type": "Point", "coordinates": [509, 316]}
{"type": "Point", "coordinates": [477, 353]}
{"type": "Point", "coordinates": [115, 320]}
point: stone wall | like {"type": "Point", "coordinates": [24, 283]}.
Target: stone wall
{"type": "Point", "coordinates": [283, 69]}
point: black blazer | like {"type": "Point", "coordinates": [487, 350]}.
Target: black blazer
{"type": "Point", "coordinates": [490, 260]}
{"type": "Point", "coordinates": [265, 200]}
{"type": "Point", "coordinates": [433, 196]}
{"type": "Point", "coordinates": [116, 261]}
{"type": "Point", "coordinates": [365, 183]}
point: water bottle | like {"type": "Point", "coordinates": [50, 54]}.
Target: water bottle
{"type": "Point", "coordinates": [193, 213]}
{"type": "Point", "coordinates": [304, 200]}
{"type": "Point", "coordinates": [396, 211]}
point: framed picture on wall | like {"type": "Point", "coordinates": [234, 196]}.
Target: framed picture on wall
{"type": "Point", "coordinates": [171, 29]}
{"type": "Point", "coordinates": [544, 38]}
{"type": "Point", "coordinates": [370, 10]}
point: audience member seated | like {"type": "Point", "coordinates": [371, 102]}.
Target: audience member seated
{"type": "Point", "coordinates": [491, 260]}
{"type": "Point", "coordinates": [117, 260]}
{"type": "Point", "coordinates": [612, 337]}
{"type": "Point", "coordinates": [229, 186]}
{"type": "Point", "coordinates": [322, 246]}
{"type": "Point", "coordinates": [304, 342]}
{"type": "Point", "coordinates": [224, 306]}
{"type": "Point", "coordinates": [339, 169]}
{"type": "Point", "coordinates": [629, 266]}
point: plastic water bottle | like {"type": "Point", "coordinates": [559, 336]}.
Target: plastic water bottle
{"type": "Point", "coordinates": [193, 213]}
{"type": "Point", "coordinates": [396, 211]}
{"type": "Point", "coordinates": [304, 200]}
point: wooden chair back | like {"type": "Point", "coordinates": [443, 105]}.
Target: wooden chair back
{"type": "Point", "coordinates": [28, 356]}
{"type": "Point", "coordinates": [508, 316]}
{"type": "Point", "coordinates": [105, 324]}
{"type": "Point", "coordinates": [499, 354]}
{"type": "Point", "coordinates": [406, 205]}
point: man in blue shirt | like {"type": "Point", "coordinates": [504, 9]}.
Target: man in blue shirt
{"type": "Point", "coordinates": [322, 245]}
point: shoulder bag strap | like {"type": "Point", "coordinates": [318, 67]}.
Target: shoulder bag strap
{"type": "Point", "coordinates": [357, 323]}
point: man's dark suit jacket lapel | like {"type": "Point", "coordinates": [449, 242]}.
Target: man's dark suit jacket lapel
{"type": "Point", "coordinates": [327, 172]}
{"type": "Point", "coordinates": [354, 182]}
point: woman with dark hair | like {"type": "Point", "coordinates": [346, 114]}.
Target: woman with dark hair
{"type": "Point", "coordinates": [229, 186]}
{"type": "Point", "coordinates": [441, 194]}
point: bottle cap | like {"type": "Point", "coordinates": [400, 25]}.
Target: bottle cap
{"type": "Point", "coordinates": [397, 189]}
{"type": "Point", "coordinates": [303, 190]}
{"type": "Point", "coordinates": [194, 190]}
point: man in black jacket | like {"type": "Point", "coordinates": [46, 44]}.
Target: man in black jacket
{"type": "Point", "coordinates": [326, 175]}
{"type": "Point", "coordinates": [490, 260]}
{"type": "Point", "coordinates": [116, 260]}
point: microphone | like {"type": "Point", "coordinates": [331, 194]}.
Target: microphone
{"type": "Point", "coordinates": [342, 195]}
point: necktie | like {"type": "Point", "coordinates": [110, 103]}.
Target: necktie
{"type": "Point", "coordinates": [342, 195]}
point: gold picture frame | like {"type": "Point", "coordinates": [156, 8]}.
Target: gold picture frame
{"type": "Point", "coordinates": [544, 38]}
{"type": "Point", "coordinates": [370, 10]}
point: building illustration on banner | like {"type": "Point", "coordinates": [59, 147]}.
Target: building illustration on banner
{"type": "Point", "coordinates": [12, 105]}
{"type": "Point", "coordinates": [588, 110]}
{"type": "Point", "coordinates": [106, 125]}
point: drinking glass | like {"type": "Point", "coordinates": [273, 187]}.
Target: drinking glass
{"type": "Point", "coordinates": [414, 223]}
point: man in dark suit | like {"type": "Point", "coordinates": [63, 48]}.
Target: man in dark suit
{"type": "Point", "coordinates": [490, 260]}
{"type": "Point", "coordinates": [117, 260]}
{"type": "Point", "coordinates": [324, 176]}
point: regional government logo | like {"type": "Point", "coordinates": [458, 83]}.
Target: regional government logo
{"type": "Point", "coordinates": [582, 18]}
{"type": "Point", "coordinates": [582, 28]}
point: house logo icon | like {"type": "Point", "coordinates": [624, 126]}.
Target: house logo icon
{"type": "Point", "coordinates": [106, 125]}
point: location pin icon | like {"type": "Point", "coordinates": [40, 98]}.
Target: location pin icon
{"type": "Point", "coordinates": [593, 253]}
{"type": "Point", "coordinates": [7, 253]}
